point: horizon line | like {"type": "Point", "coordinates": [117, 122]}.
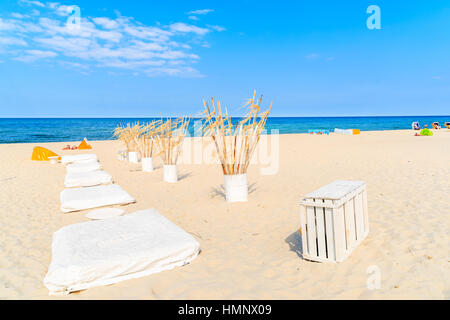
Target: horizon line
{"type": "Point", "coordinates": [195, 117]}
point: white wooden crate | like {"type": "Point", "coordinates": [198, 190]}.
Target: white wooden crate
{"type": "Point", "coordinates": [334, 221]}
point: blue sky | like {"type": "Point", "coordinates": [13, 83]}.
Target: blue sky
{"type": "Point", "coordinates": [140, 58]}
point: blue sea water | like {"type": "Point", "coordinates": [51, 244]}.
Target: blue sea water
{"type": "Point", "coordinates": [23, 130]}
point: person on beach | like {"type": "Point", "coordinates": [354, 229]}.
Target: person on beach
{"type": "Point", "coordinates": [426, 132]}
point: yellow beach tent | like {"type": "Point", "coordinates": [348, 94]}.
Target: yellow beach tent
{"type": "Point", "coordinates": [42, 154]}
{"type": "Point", "coordinates": [84, 145]}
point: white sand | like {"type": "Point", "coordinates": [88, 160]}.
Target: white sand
{"type": "Point", "coordinates": [250, 250]}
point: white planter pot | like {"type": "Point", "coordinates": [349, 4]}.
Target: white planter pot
{"type": "Point", "coordinates": [147, 164]}
{"type": "Point", "coordinates": [133, 157]}
{"type": "Point", "coordinates": [236, 188]}
{"type": "Point", "coordinates": [170, 173]}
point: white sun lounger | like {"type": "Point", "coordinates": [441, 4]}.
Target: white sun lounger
{"type": "Point", "coordinates": [78, 158]}
{"type": "Point", "coordinates": [93, 197]}
{"type": "Point", "coordinates": [87, 179]}
{"type": "Point", "coordinates": [85, 166]}
{"type": "Point", "coordinates": [104, 252]}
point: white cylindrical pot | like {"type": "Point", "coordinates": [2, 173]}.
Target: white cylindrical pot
{"type": "Point", "coordinates": [170, 173]}
{"type": "Point", "coordinates": [133, 157]}
{"type": "Point", "coordinates": [147, 164]}
{"type": "Point", "coordinates": [236, 188]}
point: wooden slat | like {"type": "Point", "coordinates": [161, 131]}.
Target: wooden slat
{"type": "Point", "coordinates": [329, 230]}
{"type": "Point", "coordinates": [303, 230]}
{"type": "Point", "coordinates": [336, 190]}
{"type": "Point", "coordinates": [320, 226]}
{"type": "Point", "coordinates": [311, 225]}
{"type": "Point", "coordinates": [359, 215]}
{"type": "Point", "coordinates": [339, 233]}
{"type": "Point", "coordinates": [366, 212]}
{"type": "Point", "coordinates": [350, 230]}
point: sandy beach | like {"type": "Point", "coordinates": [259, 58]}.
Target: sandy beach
{"type": "Point", "coordinates": [251, 250]}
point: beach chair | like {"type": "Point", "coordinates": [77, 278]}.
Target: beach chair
{"type": "Point", "coordinates": [42, 154]}
{"type": "Point", "coordinates": [436, 125]}
{"type": "Point", "coordinates": [415, 125]}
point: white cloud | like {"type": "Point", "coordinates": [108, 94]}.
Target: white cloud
{"type": "Point", "coordinates": [63, 10]}
{"type": "Point", "coordinates": [104, 42]}
{"type": "Point", "coordinates": [18, 15]}
{"type": "Point", "coordinates": [312, 56]}
{"type": "Point", "coordinates": [201, 12]}
{"type": "Point", "coordinates": [12, 41]}
{"type": "Point", "coordinates": [195, 18]}
{"type": "Point", "coordinates": [7, 25]}
{"type": "Point", "coordinates": [106, 23]}
{"type": "Point", "coordinates": [186, 28]}
{"type": "Point", "coordinates": [31, 2]}
{"type": "Point", "coordinates": [52, 5]}
{"type": "Point", "coordinates": [33, 55]}
{"type": "Point", "coordinates": [217, 28]}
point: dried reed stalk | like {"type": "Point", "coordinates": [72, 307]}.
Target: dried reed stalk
{"type": "Point", "coordinates": [235, 144]}
{"type": "Point", "coordinates": [169, 140]}
{"type": "Point", "coordinates": [128, 135]}
{"type": "Point", "coordinates": [146, 140]}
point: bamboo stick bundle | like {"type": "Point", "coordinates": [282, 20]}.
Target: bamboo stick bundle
{"type": "Point", "coordinates": [169, 138]}
{"type": "Point", "coordinates": [235, 144]}
{"type": "Point", "coordinates": [146, 140]}
{"type": "Point", "coordinates": [128, 135]}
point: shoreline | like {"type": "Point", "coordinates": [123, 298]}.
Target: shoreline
{"type": "Point", "coordinates": [280, 134]}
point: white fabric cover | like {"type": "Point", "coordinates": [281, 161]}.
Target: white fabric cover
{"type": "Point", "coordinates": [104, 213]}
{"type": "Point", "coordinates": [84, 166]}
{"type": "Point", "coordinates": [104, 252]}
{"type": "Point", "coordinates": [93, 197]}
{"type": "Point", "coordinates": [87, 179]}
{"type": "Point", "coordinates": [78, 158]}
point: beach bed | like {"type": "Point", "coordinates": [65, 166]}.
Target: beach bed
{"type": "Point", "coordinates": [93, 197]}
{"type": "Point", "coordinates": [78, 158]}
{"type": "Point", "coordinates": [84, 166]}
{"type": "Point", "coordinates": [96, 253]}
{"type": "Point", "coordinates": [87, 179]}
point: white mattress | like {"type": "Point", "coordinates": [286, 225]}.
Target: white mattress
{"type": "Point", "coordinates": [93, 197]}
{"type": "Point", "coordinates": [104, 252]}
{"type": "Point", "coordinates": [84, 166]}
{"type": "Point", "coordinates": [87, 179]}
{"type": "Point", "coordinates": [78, 158]}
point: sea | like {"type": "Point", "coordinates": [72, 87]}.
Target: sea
{"type": "Point", "coordinates": [33, 130]}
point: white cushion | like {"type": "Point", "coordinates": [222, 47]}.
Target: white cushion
{"type": "Point", "coordinates": [83, 166]}
{"type": "Point", "coordinates": [93, 197]}
{"type": "Point", "coordinates": [78, 158]}
{"type": "Point", "coordinates": [104, 252]}
{"type": "Point", "coordinates": [87, 179]}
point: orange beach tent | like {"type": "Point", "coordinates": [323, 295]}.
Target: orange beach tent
{"type": "Point", "coordinates": [84, 145]}
{"type": "Point", "coordinates": [42, 154]}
